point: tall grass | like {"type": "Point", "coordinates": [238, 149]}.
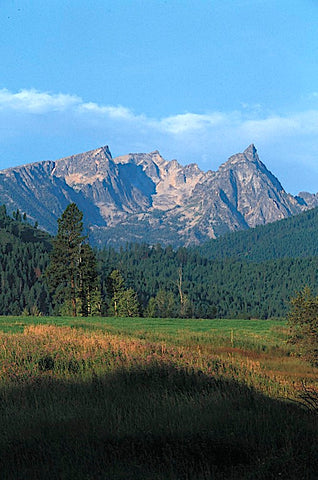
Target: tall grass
{"type": "Point", "coordinates": [89, 404]}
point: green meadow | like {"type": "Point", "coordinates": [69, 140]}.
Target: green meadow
{"type": "Point", "coordinates": [269, 332]}
{"type": "Point", "coordinates": [122, 398]}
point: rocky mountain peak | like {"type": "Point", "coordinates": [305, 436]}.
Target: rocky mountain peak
{"type": "Point", "coordinates": [143, 197]}
{"type": "Point", "coordinates": [250, 152]}
{"type": "Point", "coordinates": [248, 157]}
{"type": "Point", "coordinates": [106, 151]}
{"type": "Point", "coordinates": [84, 168]}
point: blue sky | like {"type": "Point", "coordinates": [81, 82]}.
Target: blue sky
{"type": "Point", "coordinates": [199, 80]}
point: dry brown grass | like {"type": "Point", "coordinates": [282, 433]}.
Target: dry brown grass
{"type": "Point", "coordinates": [22, 354]}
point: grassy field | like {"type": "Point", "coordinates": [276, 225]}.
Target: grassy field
{"type": "Point", "coordinates": [154, 399]}
{"type": "Point", "coordinates": [266, 332]}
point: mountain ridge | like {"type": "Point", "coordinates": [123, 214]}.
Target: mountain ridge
{"type": "Point", "coordinates": [143, 197]}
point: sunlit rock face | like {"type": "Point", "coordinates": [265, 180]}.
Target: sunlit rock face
{"type": "Point", "coordinates": [143, 197]}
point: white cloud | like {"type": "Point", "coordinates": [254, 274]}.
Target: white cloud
{"type": "Point", "coordinates": [237, 123]}
{"type": "Point", "coordinates": [33, 101]}
{"type": "Point", "coordinates": [269, 127]}
{"type": "Point", "coordinates": [303, 123]}
{"type": "Point", "coordinates": [118, 112]}
{"type": "Point", "coordinates": [187, 122]}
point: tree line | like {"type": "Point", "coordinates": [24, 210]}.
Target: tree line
{"type": "Point", "coordinates": [152, 281]}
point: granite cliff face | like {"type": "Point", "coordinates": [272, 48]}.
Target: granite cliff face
{"type": "Point", "coordinates": [142, 197]}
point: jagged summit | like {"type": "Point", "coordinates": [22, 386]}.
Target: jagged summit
{"type": "Point", "coordinates": [96, 152]}
{"type": "Point", "coordinates": [248, 155]}
{"type": "Point", "coordinates": [250, 151]}
{"type": "Point", "coordinates": [106, 150]}
{"type": "Point", "coordinates": [143, 197]}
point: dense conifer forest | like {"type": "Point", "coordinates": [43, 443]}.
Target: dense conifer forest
{"type": "Point", "coordinates": [243, 275]}
{"type": "Point", "coordinates": [291, 237]}
{"type": "Point", "coordinates": [213, 288]}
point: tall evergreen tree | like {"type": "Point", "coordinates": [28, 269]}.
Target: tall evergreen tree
{"type": "Point", "coordinates": [72, 273]}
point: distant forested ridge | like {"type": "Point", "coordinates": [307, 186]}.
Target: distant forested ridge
{"type": "Point", "coordinates": [292, 237]}
{"type": "Point", "coordinates": [242, 275]}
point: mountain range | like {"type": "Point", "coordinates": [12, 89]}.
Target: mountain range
{"type": "Point", "coordinates": [145, 198]}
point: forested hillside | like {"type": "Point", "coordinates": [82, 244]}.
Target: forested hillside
{"type": "Point", "coordinates": [23, 259]}
{"type": "Point", "coordinates": [292, 237]}
{"type": "Point", "coordinates": [213, 288]}
{"type": "Point", "coordinates": [251, 282]}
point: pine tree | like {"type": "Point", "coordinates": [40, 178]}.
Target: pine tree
{"type": "Point", "coordinates": [72, 273]}
{"type": "Point", "coordinates": [128, 305]}
{"type": "Point", "coordinates": [124, 302]}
